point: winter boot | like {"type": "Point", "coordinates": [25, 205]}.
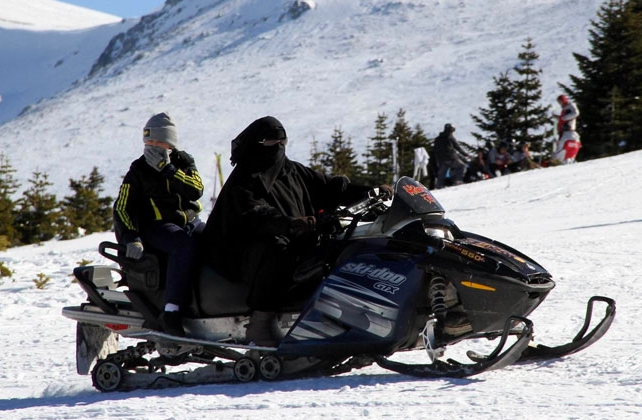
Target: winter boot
{"type": "Point", "coordinates": [263, 329]}
{"type": "Point", "coordinates": [172, 324]}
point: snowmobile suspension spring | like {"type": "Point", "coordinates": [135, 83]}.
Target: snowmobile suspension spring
{"type": "Point", "coordinates": [437, 296]}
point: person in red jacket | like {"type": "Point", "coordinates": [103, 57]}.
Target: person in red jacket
{"type": "Point", "coordinates": [568, 143]}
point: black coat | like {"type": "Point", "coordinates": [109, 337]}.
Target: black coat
{"type": "Point", "coordinates": [148, 196]}
{"type": "Point", "coordinates": [255, 210]}
{"type": "Point", "coordinates": [447, 149]}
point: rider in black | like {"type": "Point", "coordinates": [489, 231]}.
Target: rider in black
{"type": "Point", "coordinates": [263, 223]}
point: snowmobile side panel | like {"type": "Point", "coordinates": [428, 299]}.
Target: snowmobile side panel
{"type": "Point", "coordinates": [366, 305]}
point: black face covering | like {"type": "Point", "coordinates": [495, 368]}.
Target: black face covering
{"type": "Point", "coordinates": [249, 151]}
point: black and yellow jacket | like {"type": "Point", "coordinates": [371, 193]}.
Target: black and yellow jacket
{"type": "Point", "coordinates": [148, 196]}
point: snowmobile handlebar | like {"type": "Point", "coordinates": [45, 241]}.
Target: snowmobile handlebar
{"type": "Point", "coordinates": [345, 219]}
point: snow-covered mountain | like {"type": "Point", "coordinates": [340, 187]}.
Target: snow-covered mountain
{"type": "Point", "coordinates": [216, 65]}
{"type": "Point", "coordinates": [45, 46]}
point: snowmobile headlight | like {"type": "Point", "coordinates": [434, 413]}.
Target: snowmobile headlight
{"type": "Point", "coordinates": [438, 232]}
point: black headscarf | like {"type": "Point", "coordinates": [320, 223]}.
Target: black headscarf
{"type": "Point", "coordinates": [248, 150]}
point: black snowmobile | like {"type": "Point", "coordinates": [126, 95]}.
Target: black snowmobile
{"type": "Point", "coordinates": [398, 276]}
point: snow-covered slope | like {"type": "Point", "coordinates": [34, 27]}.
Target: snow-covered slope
{"type": "Point", "coordinates": [582, 222]}
{"type": "Point", "coordinates": [46, 46]}
{"type": "Point", "coordinates": [216, 65]}
{"type": "Point", "coordinates": [50, 15]}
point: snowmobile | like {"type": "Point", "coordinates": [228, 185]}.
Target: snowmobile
{"type": "Point", "coordinates": [396, 275]}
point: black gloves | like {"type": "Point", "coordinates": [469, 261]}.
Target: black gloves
{"type": "Point", "coordinates": [182, 158]}
{"type": "Point", "coordinates": [302, 225]}
{"type": "Point", "coordinates": [384, 191]}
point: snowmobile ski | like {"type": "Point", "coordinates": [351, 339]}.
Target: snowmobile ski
{"type": "Point", "coordinates": [582, 340]}
{"type": "Point", "coordinates": [453, 369]}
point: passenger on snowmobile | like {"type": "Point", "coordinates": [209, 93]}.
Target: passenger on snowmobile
{"type": "Point", "coordinates": [263, 223]}
{"type": "Point", "coordinates": [157, 207]}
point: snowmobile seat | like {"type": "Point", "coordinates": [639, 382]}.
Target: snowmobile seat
{"type": "Point", "coordinates": [217, 296]}
{"type": "Point", "coordinates": [212, 294]}
{"type": "Point", "coordinates": [145, 279]}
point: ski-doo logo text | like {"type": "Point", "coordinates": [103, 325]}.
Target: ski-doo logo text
{"type": "Point", "coordinates": [386, 280]}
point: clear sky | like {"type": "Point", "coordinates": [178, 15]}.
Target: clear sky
{"type": "Point", "coordinates": [122, 8]}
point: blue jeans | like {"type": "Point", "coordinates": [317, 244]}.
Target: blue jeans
{"type": "Point", "coordinates": [179, 244]}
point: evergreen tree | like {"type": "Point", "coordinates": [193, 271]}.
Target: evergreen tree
{"type": "Point", "coordinates": [532, 118]}
{"type": "Point", "coordinates": [379, 155]}
{"type": "Point", "coordinates": [500, 121]}
{"type": "Point", "coordinates": [341, 159]}
{"type": "Point", "coordinates": [407, 141]}
{"type": "Point", "coordinates": [38, 213]}
{"type": "Point", "coordinates": [85, 209]}
{"type": "Point", "coordinates": [8, 187]}
{"type": "Point", "coordinates": [609, 91]}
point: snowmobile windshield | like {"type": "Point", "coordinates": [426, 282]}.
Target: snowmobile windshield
{"type": "Point", "coordinates": [412, 200]}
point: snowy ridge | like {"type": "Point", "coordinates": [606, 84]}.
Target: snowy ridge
{"type": "Point", "coordinates": [216, 65]}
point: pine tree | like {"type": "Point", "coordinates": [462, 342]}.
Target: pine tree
{"type": "Point", "coordinates": [609, 91]}
{"type": "Point", "coordinates": [37, 216]}
{"type": "Point", "coordinates": [500, 120]}
{"type": "Point", "coordinates": [532, 118]}
{"type": "Point", "coordinates": [341, 159]}
{"type": "Point", "coordinates": [406, 143]}
{"type": "Point", "coordinates": [8, 187]}
{"type": "Point", "coordinates": [85, 209]}
{"type": "Point", "coordinates": [379, 155]}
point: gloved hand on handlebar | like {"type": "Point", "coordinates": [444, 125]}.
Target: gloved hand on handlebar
{"type": "Point", "coordinates": [302, 225]}
{"type": "Point", "coordinates": [327, 224]}
{"type": "Point", "coordinates": [384, 191]}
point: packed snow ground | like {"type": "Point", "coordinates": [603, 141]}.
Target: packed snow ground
{"type": "Point", "coordinates": [582, 222]}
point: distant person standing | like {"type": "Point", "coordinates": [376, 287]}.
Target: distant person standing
{"type": "Point", "coordinates": [568, 144]}
{"type": "Point", "coordinates": [449, 156]}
